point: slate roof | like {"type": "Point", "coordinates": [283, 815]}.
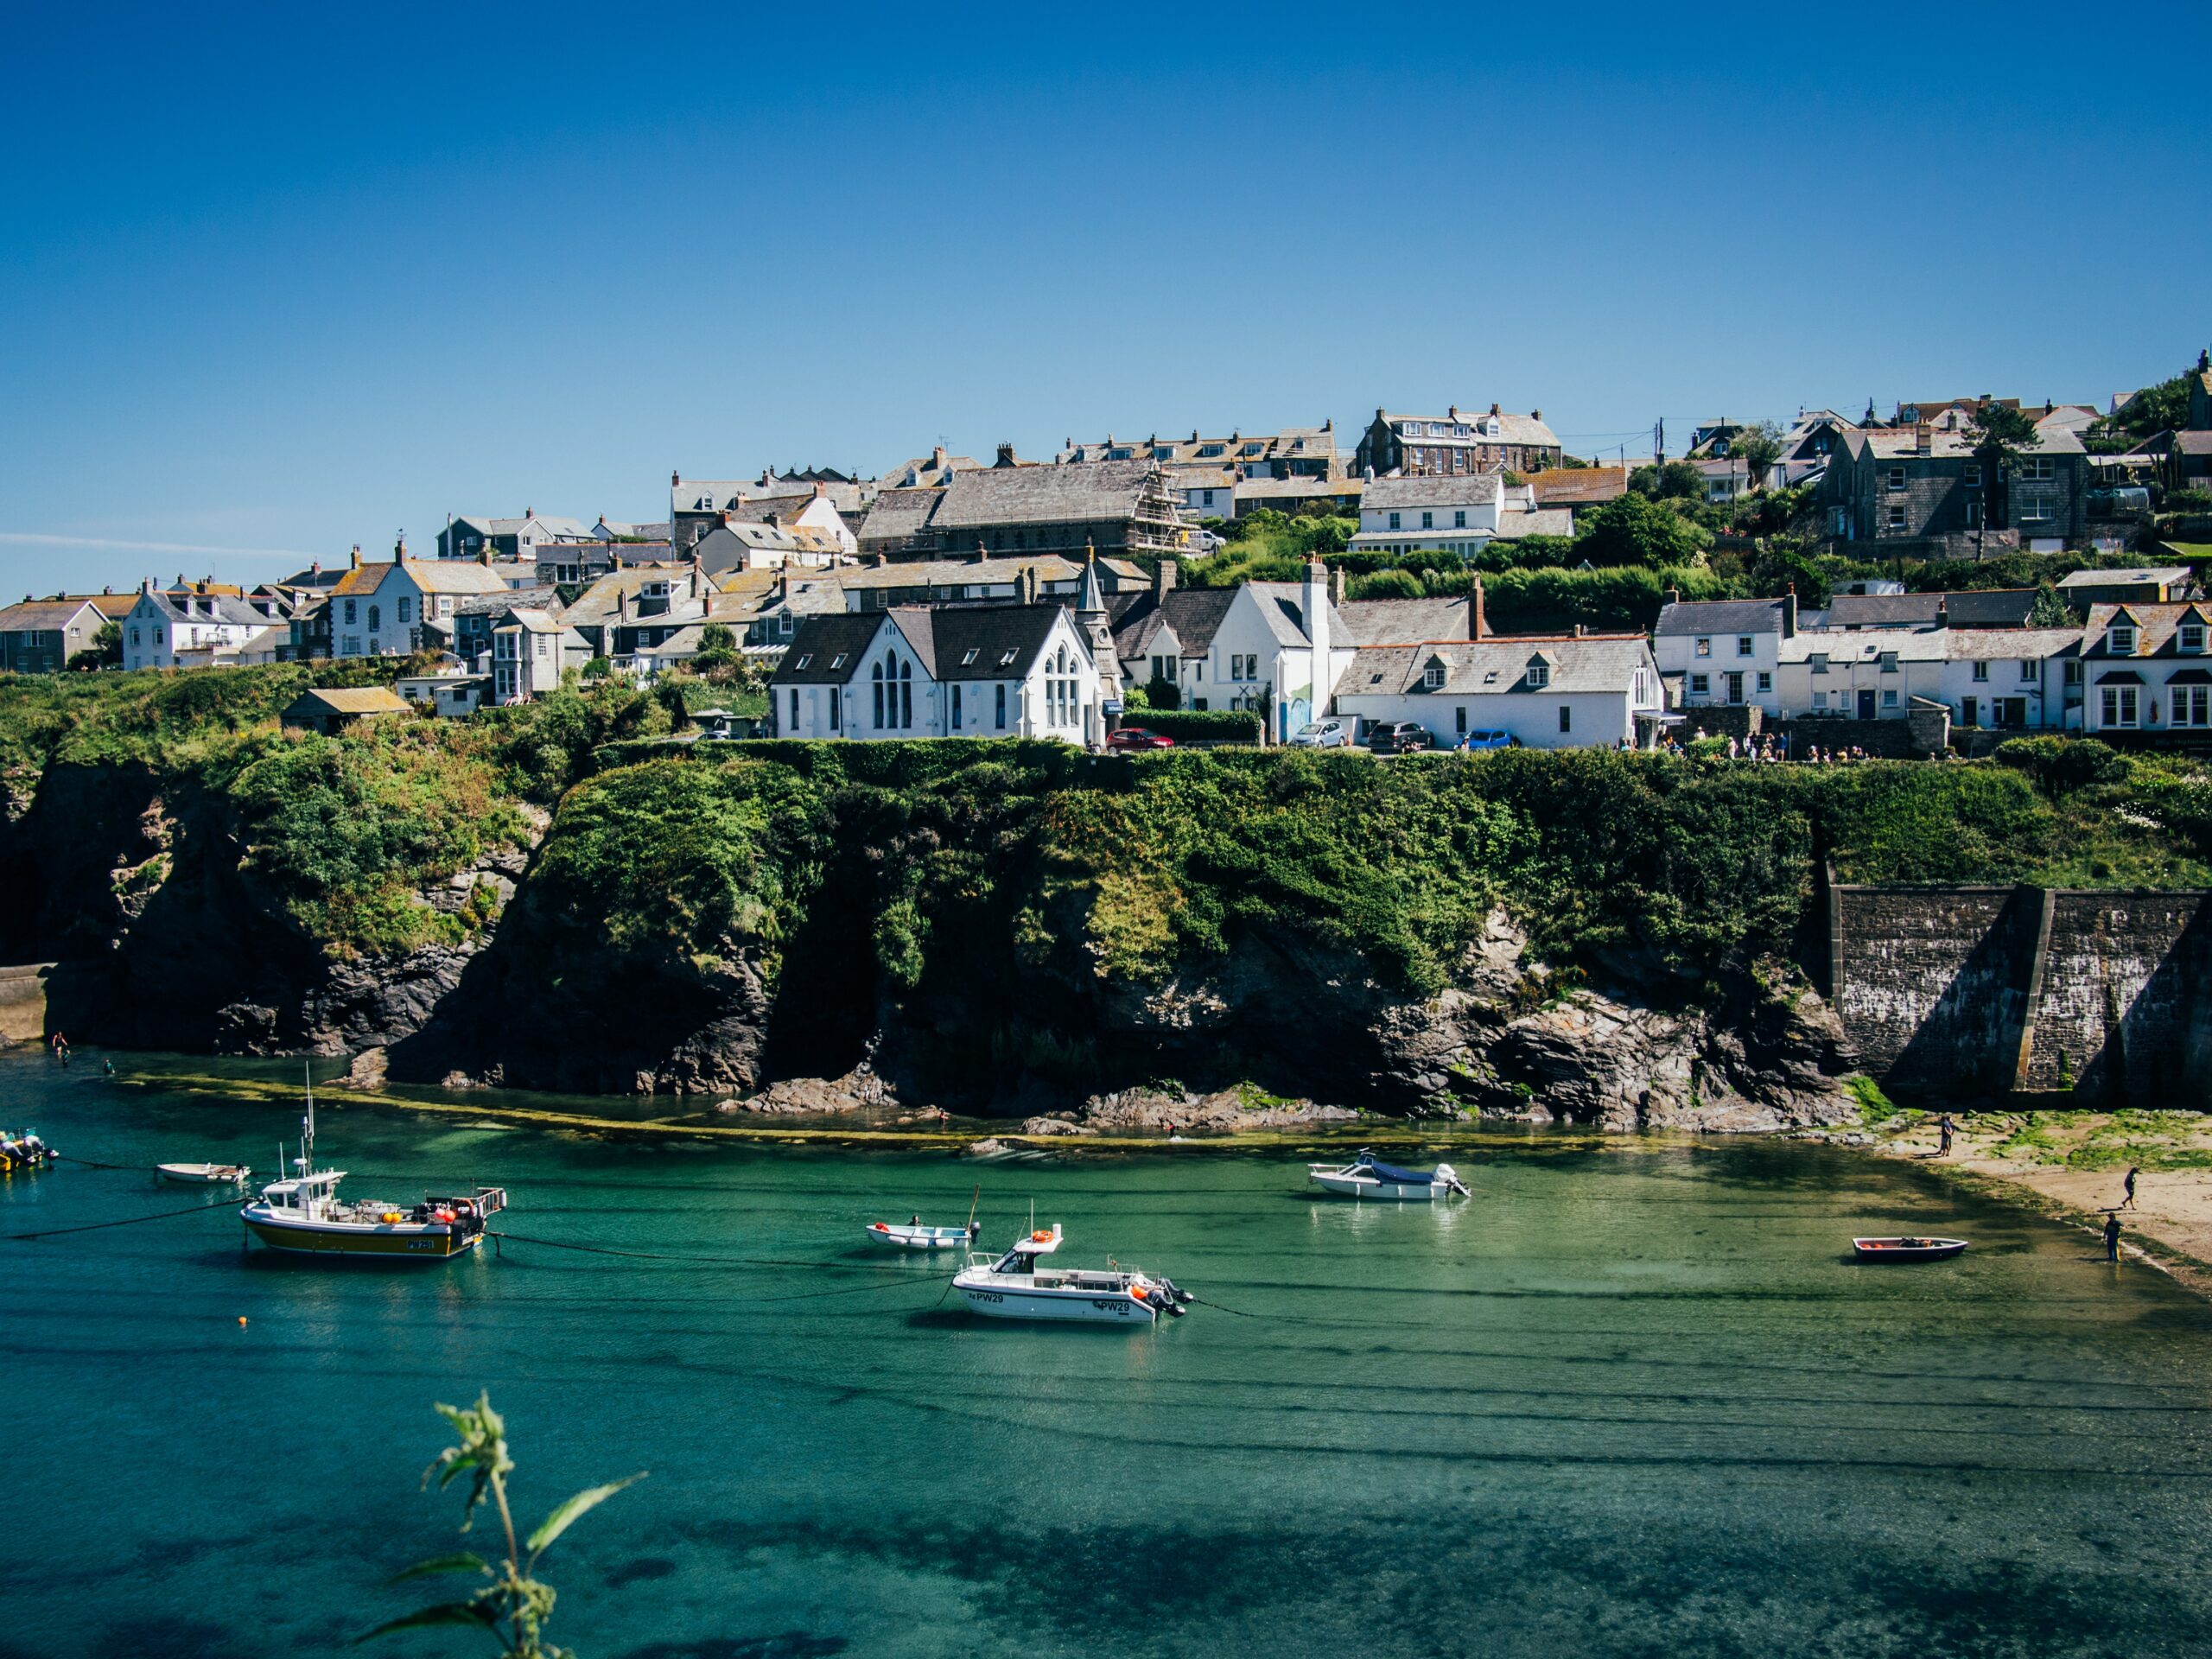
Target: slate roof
{"type": "Point", "coordinates": [897, 515]}
{"type": "Point", "coordinates": [972, 642]}
{"type": "Point", "coordinates": [991, 572]}
{"type": "Point", "coordinates": [1282, 604]}
{"type": "Point", "coordinates": [228, 609]}
{"type": "Point", "coordinates": [1578, 486]}
{"type": "Point", "coordinates": [1404, 621]}
{"type": "Point", "coordinates": [1884, 610]}
{"type": "Point", "coordinates": [1462, 489]}
{"type": "Point", "coordinates": [1910, 645]}
{"type": "Point", "coordinates": [823, 639]}
{"type": "Point", "coordinates": [1587, 663]}
{"type": "Point", "coordinates": [351, 700]}
{"type": "Point", "coordinates": [1194, 614]}
{"type": "Point", "coordinates": [1989, 608]}
{"type": "Point", "coordinates": [41, 615]}
{"type": "Point", "coordinates": [562, 529]}
{"type": "Point", "coordinates": [1996, 645]}
{"type": "Point", "coordinates": [1541, 521]}
{"type": "Point", "coordinates": [2171, 575]}
{"type": "Point", "coordinates": [1721, 616]}
{"type": "Point", "coordinates": [1511, 428]}
{"type": "Point", "coordinates": [1027, 495]}
{"type": "Point", "coordinates": [2155, 626]}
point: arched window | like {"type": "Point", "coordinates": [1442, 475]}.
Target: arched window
{"type": "Point", "coordinates": [876, 675]}
{"type": "Point", "coordinates": [905, 695]}
{"type": "Point", "coordinates": [376, 618]}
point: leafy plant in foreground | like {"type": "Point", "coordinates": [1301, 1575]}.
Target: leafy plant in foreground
{"type": "Point", "coordinates": [513, 1605]}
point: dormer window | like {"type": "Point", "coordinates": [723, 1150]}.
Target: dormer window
{"type": "Point", "coordinates": [1431, 677]}
{"type": "Point", "coordinates": [2192, 636]}
{"type": "Point", "coordinates": [2119, 640]}
{"type": "Point", "coordinates": [1889, 661]}
{"type": "Point", "coordinates": [1540, 675]}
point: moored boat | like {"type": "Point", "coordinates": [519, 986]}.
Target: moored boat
{"type": "Point", "coordinates": [914, 1237]}
{"type": "Point", "coordinates": [1013, 1288]}
{"type": "Point", "coordinates": [1907, 1249]}
{"type": "Point", "coordinates": [23, 1149]}
{"type": "Point", "coordinates": [302, 1215]}
{"type": "Point", "coordinates": [1367, 1177]}
{"type": "Point", "coordinates": [204, 1174]}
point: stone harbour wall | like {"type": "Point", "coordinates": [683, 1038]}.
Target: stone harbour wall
{"type": "Point", "coordinates": [2105, 997]}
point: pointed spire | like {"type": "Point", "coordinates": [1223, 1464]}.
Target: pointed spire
{"type": "Point", "coordinates": [1092, 596]}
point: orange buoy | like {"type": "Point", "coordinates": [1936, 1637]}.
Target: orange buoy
{"type": "Point", "coordinates": [1137, 1291]}
{"type": "Point", "coordinates": [241, 1319]}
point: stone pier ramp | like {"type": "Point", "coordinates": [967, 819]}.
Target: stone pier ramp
{"type": "Point", "coordinates": [22, 1002]}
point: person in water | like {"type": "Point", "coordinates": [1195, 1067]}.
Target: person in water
{"type": "Point", "coordinates": [2112, 1236]}
{"type": "Point", "coordinates": [2128, 1202]}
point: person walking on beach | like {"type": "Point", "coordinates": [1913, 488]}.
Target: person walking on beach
{"type": "Point", "coordinates": [1945, 1129]}
{"type": "Point", "coordinates": [2128, 1202]}
{"type": "Point", "coordinates": [2112, 1236]}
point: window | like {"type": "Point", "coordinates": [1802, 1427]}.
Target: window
{"type": "Point", "coordinates": [1540, 675]}
{"type": "Point", "coordinates": [2118, 704]}
{"type": "Point", "coordinates": [1889, 699]}
{"type": "Point", "coordinates": [1394, 521]}
{"type": "Point", "coordinates": [134, 636]}
{"type": "Point", "coordinates": [1701, 684]}
{"type": "Point", "coordinates": [1820, 662]}
{"type": "Point", "coordinates": [1459, 519]}
{"type": "Point", "coordinates": [784, 624]}
{"type": "Point", "coordinates": [1209, 496]}
{"type": "Point", "coordinates": [1896, 478]}
{"type": "Point", "coordinates": [1766, 681]}
{"type": "Point", "coordinates": [1433, 677]}
{"type": "Point", "coordinates": [1888, 660]}
{"type": "Point", "coordinates": [1428, 521]}
{"type": "Point", "coordinates": [838, 661]}
{"type": "Point", "coordinates": [1743, 645]}
{"type": "Point", "coordinates": [1819, 699]}
{"type": "Point", "coordinates": [2027, 669]}
{"type": "Point", "coordinates": [1460, 718]}
{"type": "Point", "coordinates": [2033, 470]}
{"type": "Point", "coordinates": [836, 708]}
{"type": "Point", "coordinates": [794, 708]}
{"type": "Point", "coordinates": [967, 656]}
{"type": "Point", "coordinates": [1002, 707]}
{"type": "Point", "coordinates": [2192, 636]}
{"type": "Point", "coordinates": [805, 658]}
{"type": "Point", "coordinates": [2037, 510]}
{"type": "Point", "coordinates": [350, 615]}
{"type": "Point", "coordinates": [956, 706]}
{"type": "Point", "coordinates": [376, 618]}
{"type": "Point", "coordinates": [1895, 520]}
{"type": "Point", "coordinates": [2119, 640]}
{"type": "Point", "coordinates": [1972, 476]}
{"type": "Point", "coordinates": [2192, 704]}
{"type": "Point", "coordinates": [876, 683]}
{"type": "Point", "coordinates": [1705, 647]}
{"type": "Point", "coordinates": [400, 615]}
{"type": "Point", "coordinates": [1006, 660]}
{"type": "Point", "coordinates": [1565, 718]}
{"type": "Point", "coordinates": [2073, 676]}
{"type": "Point", "coordinates": [1982, 671]}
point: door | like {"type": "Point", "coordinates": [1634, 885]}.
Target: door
{"type": "Point", "coordinates": [1735, 687]}
{"type": "Point", "coordinates": [1969, 708]}
{"type": "Point", "coordinates": [1866, 705]}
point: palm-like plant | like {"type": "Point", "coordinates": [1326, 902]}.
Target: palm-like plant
{"type": "Point", "coordinates": [513, 1605]}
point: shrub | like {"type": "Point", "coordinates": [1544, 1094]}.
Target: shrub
{"type": "Point", "coordinates": [1206, 725]}
{"type": "Point", "coordinates": [2061, 765]}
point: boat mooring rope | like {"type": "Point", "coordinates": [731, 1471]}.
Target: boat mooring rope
{"type": "Point", "coordinates": [1202, 1302]}
{"type": "Point", "coordinates": [64, 1158]}
{"type": "Point", "coordinates": [128, 1221]}
{"type": "Point", "coordinates": [904, 1277]}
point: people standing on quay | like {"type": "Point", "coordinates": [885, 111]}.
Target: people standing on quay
{"type": "Point", "coordinates": [2112, 1236]}
{"type": "Point", "coordinates": [2128, 1202]}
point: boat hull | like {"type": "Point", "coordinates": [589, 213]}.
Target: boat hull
{"type": "Point", "coordinates": [1890, 1249]}
{"type": "Point", "coordinates": [398, 1243]}
{"type": "Point", "coordinates": [919, 1238]}
{"type": "Point", "coordinates": [1345, 1186]}
{"type": "Point", "coordinates": [203, 1174]}
{"type": "Point", "coordinates": [1090, 1307]}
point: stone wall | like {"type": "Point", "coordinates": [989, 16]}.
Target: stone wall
{"type": "Point", "coordinates": [1982, 992]}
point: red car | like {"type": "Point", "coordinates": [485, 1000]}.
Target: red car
{"type": "Point", "coordinates": [1136, 737]}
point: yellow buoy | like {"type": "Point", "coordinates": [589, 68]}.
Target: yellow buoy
{"type": "Point", "coordinates": [241, 1319]}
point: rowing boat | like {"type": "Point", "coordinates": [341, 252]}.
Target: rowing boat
{"type": "Point", "coordinates": [203, 1174]}
{"type": "Point", "coordinates": [1907, 1249]}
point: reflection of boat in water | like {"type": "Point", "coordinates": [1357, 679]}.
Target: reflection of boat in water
{"type": "Point", "coordinates": [1013, 1287]}
{"type": "Point", "coordinates": [23, 1149]}
{"type": "Point", "coordinates": [1907, 1250]}
{"type": "Point", "coordinates": [203, 1174]}
{"type": "Point", "coordinates": [1367, 1178]}
{"type": "Point", "coordinates": [303, 1215]}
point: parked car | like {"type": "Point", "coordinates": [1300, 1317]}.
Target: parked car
{"type": "Point", "coordinates": [1132, 738]}
{"type": "Point", "coordinates": [1330, 734]}
{"type": "Point", "coordinates": [1397, 736]}
{"type": "Point", "coordinates": [1486, 739]}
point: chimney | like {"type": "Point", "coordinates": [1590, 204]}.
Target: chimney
{"type": "Point", "coordinates": [1495, 409]}
{"type": "Point", "coordinates": [937, 457]}
{"type": "Point", "coordinates": [1478, 624]}
{"type": "Point", "coordinates": [820, 489]}
{"type": "Point", "coordinates": [1164, 578]}
{"type": "Point", "coordinates": [1005, 455]}
{"type": "Point", "coordinates": [1581, 630]}
{"type": "Point", "coordinates": [1336, 584]}
{"type": "Point", "coordinates": [1535, 414]}
{"type": "Point", "coordinates": [1674, 596]}
{"type": "Point", "coordinates": [675, 478]}
{"type": "Point", "coordinates": [621, 605]}
{"type": "Point", "coordinates": [1317, 617]}
{"type": "Point", "coordinates": [1789, 612]}
{"type": "Point", "coordinates": [357, 557]}
{"type": "Point", "coordinates": [1452, 413]}
{"type": "Point", "coordinates": [1029, 585]}
{"type": "Point", "coordinates": [484, 555]}
{"type": "Point", "coordinates": [1924, 438]}
{"type": "Point", "coordinates": [694, 575]}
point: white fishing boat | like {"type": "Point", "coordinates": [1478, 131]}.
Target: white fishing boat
{"type": "Point", "coordinates": [914, 1237]}
{"type": "Point", "coordinates": [1014, 1288]}
{"type": "Point", "coordinates": [302, 1215]}
{"type": "Point", "coordinates": [204, 1174]}
{"type": "Point", "coordinates": [1367, 1177]}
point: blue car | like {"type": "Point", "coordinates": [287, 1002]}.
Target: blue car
{"type": "Point", "coordinates": [1485, 741]}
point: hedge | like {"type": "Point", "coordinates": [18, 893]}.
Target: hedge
{"type": "Point", "coordinates": [1202, 725]}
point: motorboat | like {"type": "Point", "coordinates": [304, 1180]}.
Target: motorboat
{"type": "Point", "coordinates": [1014, 1287]}
{"type": "Point", "coordinates": [302, 1215]}
{"type": "Point", "coordinates": [1907, 1249]}
{"type": "Point", "coordinates": [1368, 1177]}
{"type": "Point", "coordinates": [23, 1149]}
{"type": "Point", "coordinates": [912, 1236]}
{"type": "Point", "coordinates": [204, 1174]}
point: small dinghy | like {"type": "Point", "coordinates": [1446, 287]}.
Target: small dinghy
{"type": "Point", "coordinates": [1366, 1177]}
{"type": "Point", "coordinates": [912, 1236]}
{"type": "Point", "coordinates": [204, 1174]}
{"type": "Point", "coordinates": [23, 1149]}
{"type": "Point", "coordinates": [1907, 1250]}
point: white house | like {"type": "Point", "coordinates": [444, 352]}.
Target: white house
{"type": "Point", "coordinates": [1866, 674]}
{"type": "Point", "coordinates": [1725, 650]}
{"type": "Point", "coordinates": [394, 607]}
{"type": "Point", "coordinates": [984, 670]}
{"type": "Point", "coordinates": [160, 624]}
{"type": "Point", "coordinates": [529, 652]}
{"type": "Point", "coordinates": [749, 544]}
{"type": "Point", "coordinates": [2147, 668]}
{"type": "Point", "coordinates": [2026, 679]}
{"type": "Point", "coordinates": [1278, 647]}
{"type": "Point", "coordinates": [1455, 513]}
{"type": "Point", "coordinates": [1549, 691]}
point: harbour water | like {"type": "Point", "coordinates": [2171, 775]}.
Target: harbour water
{"type": "Point", "coordinates": [1631, 1398]}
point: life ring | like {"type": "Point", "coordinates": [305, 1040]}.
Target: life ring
{"type": "Point", "coordinates": [1137, 1291]}
{"type": "Point", "coordinates": [1040, 1236]}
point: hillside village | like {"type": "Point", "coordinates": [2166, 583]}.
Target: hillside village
{"type": "Point", "coordinates": [1923, 581]}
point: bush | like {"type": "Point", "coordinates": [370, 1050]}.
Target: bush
{"type": "Point", "coordinates": [1206, 725]}
{"type": "Point", "coordinates": [2060, 765]}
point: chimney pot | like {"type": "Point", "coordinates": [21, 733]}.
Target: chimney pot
{"type": "Point", "coordinates": [1495, 409]}
{"type": "Point", "coordinates": [1478, 624]}
{"type": "Point", "coordinates": [675, 478]}
{"type": "Point", "coordinates": [357, 557]}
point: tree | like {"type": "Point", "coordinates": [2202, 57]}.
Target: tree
{"type": "Point", "coordinates": [1678, 480]}
{"type": "Point", "coordinates": [2050, 610]}
{"type": "Point", "coordinates": [2000, 433]}
{"type": "Point", "coordinates": [670, 694]}
{"type": "Point", "coordinates": [104, 651]}
{"type": "Point", "coordinates": [513, 1605]}
{"type": "Point", "coordinates": [717, 636]}
{"type": "Point", "coordinates": [1389, 584]}
{"type": "Point", "coordinates": [1758, 446]}
{"type": "Point", "coordinates": [1161, 693]}
{"type": "Point", "coordinates": [1634, 529]}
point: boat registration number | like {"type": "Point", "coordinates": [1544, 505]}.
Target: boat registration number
{"type": "Point", "coordinates": [1122, 1308]}
{"type": "Point", "coordinates": [985, 1296]}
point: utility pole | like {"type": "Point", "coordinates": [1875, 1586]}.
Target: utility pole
{"type": "Point", "coordinates": [1659, 442]}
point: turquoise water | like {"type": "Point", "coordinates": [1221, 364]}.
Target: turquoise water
{"type": "Point", "coordinates": [1631, 1399]}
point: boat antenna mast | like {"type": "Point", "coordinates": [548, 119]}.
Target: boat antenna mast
{"type": "Point", "coordinates": [307, 1127]}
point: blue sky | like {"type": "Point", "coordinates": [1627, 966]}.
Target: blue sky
{"type": "Point", "coordinates": [274, 281]}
